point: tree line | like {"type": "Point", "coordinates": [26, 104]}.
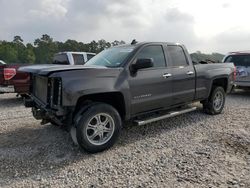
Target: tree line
{"type": "Point", "coordinates": [44, 48]}
{"type": "Point", "coordinates": [214, 57]}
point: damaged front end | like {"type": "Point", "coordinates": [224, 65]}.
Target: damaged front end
{"type": "Point", "coordinates": [46, 101]}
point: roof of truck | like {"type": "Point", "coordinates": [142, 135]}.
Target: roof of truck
{"type": "Point", "coordinates": [247, 52]}
{"type": "Point", "coordinates": [144, 43]}
{"type": "Point", "coordinates": [76, 52]}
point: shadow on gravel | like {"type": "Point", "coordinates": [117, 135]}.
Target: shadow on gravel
{"type": "Point", "coordinates": [49, 148]}
{"type": "Point", "coordinates": [240, 93]}
{"type": "Point", "coordinates": [26, 152]}
{"type": "Point", "coordinates": [132, 133]}
{"type": "Point", "coordinates": [11, 102]}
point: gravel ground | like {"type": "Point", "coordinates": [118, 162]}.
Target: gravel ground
{"type": "Point", "coordinates": [192, 150]}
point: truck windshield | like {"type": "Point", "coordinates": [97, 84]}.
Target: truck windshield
{"type": "Point", "coordinates": [112, 57]}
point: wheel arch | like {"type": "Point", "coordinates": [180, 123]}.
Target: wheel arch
{"type": "Point", "coordinates": [222, 82]}
{"type": "Point", "coordinates": [115, 99]}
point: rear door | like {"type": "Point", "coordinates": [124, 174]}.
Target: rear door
{"type": "Point", "coordinates": [183, 75]}
{"type": "Point", "coordinates": [149, 89]}
{"type": "Point", "coordinates": [242, 63]}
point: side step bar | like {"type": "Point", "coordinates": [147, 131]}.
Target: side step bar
{"type": "Point", "coordinates": [168, 115]}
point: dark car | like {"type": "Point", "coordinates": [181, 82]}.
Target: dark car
{"type": "Point", "coordinates": [140, 83]}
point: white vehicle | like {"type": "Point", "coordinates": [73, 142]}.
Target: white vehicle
{"type": "Point", "coordinates": [72, 58]}
{"type": "Point", "coordinates": [2, 62]}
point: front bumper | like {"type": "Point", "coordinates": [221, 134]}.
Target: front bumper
{"type": "Point", "coordinates": [7, 89]}
{"type": "Point", "coordinates": [41, 111]}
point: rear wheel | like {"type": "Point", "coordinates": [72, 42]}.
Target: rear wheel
{"type": "Point", "coordinates": [216, 101]}
{"type": "Point", "coordinates": [98, 128]}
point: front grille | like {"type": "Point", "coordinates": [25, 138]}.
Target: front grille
{"type": "Point", "coordinates": [40, 88]}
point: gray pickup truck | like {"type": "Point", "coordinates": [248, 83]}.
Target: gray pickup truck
{"type": "Point", "coordinates": [140, 83]}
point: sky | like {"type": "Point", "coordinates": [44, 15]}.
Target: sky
{"type": "Point", "coordinates": [202, 25]}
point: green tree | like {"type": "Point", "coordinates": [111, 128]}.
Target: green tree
{"type": "Point", "coordinates": [17, 43]}
{"type": "Point", "coordinates": [45, 49]}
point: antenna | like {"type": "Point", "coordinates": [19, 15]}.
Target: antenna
{"type": "Point", "coordinates": [134, 42]}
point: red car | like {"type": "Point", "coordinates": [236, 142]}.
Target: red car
{"type": "Point", "coordinates": [13, 81]}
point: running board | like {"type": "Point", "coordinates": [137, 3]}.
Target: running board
{"type": "Point", "coordinates": [168, 115]}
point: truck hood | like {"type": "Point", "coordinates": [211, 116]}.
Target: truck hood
{"type": "Point", "coordinates": [48, 69]}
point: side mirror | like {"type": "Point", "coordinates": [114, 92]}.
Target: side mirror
{"type": "Point", "coordinates": [142, 64]}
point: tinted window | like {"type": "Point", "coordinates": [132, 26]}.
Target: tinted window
{"type": "Point", "coordinates": [155, 52]}
{"type": "Point", "coordinates": [61, 59]}
{"type": "Point", "coordinates": [239, 60]}
{"type": "Point", "coordinates": [177, 56]}
{"type": "Point", "coordinates": [89, 56]}
{"type": "Point", "coordinates": [78, 59]}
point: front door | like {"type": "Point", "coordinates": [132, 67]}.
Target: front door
{"type": "Point", "coordinates": [151, 88]}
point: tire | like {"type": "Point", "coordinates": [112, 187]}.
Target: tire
{"type": "Point", "coordinates": [98, 128]}
{"type": "Point", "coordinates": [216, 101]}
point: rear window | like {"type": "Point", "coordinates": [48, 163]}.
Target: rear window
{"type": "Point", "coordinates": [60, 59]}
{"type": "Point", "coordinates": [89, 56]}
{"type": "Point", "coordinates": [78, 59]}
{"type": "Point", "coordinates": [239, 60]}
{"type": "Point", "coordinates": [177, 56]}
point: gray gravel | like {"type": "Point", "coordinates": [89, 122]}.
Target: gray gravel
{"type": "Point", "coordinates": [192, 150]}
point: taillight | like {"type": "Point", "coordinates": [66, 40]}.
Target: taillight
{"type": "Point", "coordinates": [9, 73]}
{"type": "Point", "coordinates": [234, 73]}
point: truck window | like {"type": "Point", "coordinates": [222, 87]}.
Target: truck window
{"type": "Point", "coordinates": [177, 56]}
{"type": "Point", "coordinates": [155, 52]}
{"type": "Point", "coordinates": [89, 56]}
{"type": "Point", "coordinates": [239, 60]}
{"type": "Point", "coordinates": [78, 59]}
{"type": "Point", "coordinates": [60, 59]}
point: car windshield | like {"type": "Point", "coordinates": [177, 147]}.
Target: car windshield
{"type": "Point", "coordinates": [112, 57]}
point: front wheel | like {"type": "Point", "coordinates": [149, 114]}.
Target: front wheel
{"type": "Point", "coordinates": [98, 128]}
{"type": "Point", "coordinates": [216, 101]}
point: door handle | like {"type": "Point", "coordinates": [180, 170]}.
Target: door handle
{"type": "Point", "coordinates": [167, 75]}
{"type": "Point", "coordinates": [190, 73]}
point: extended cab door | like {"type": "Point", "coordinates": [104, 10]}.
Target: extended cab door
{"type": "Point", "coordinates": [183, 75]}
{"type": "Point", "coordinates": [151, 88]}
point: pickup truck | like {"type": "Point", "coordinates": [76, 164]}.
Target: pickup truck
{"type": "Point", "coordinates": [140, 83]}
{"type": "Point", "coordinates": [14, 81]}
{"type": "Point", "coordinates": [241, 60]}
